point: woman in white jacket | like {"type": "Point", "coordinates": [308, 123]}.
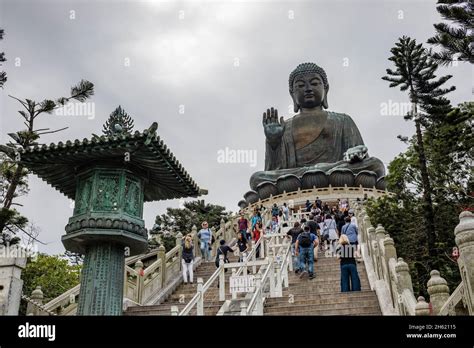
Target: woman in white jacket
{"type": "Point", "coordinates": [330, 229]}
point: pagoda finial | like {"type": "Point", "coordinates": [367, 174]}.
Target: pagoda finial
{"type": "Point", "coordinates": [119, 122]}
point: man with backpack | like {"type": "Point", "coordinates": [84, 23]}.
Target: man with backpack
{"type": "Point", "coordinates": [294, 233]}
{"type": "Point", "coordinates": [304, 248]}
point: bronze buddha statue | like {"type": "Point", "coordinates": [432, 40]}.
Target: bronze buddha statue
{"type": "Point", "coordinates": [314, 140]}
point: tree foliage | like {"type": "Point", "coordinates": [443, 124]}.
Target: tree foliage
{"type": "Point", "coordinates": [13, 174]}
{"type": "Point", "coordinates": [455, 40]}
{"type": "Point", "coordinates": [415, 73]}
{"type": "Point", "coordinates": [53, 273]}
{"type": "Point", "coordinates": [3, 74]}
{"type": "Point", "coordinates": [183, 219]}
{"type": "Point", "coordinates": [14, 221]}
{"type": "Point", "coordinates": [193, 213]}
{"type": "Point", "coordinates": [449, 150]}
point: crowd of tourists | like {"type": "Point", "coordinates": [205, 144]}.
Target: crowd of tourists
{"type": "Point", "coordinates": [323, 229]}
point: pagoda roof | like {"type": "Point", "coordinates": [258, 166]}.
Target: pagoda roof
{"type": "Point", "coordinates": [165, 178]}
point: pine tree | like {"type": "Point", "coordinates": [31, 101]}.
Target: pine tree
{"type": "Point", "coordinates": [3, 75]}
{"type": "Point", "coordinates": [455, 41]}
{"type": "Point", "coordinates": [415, 73]}
{"type": "Point", "coordinates": [450, 148]}
{"type": "Point", "coordinates": [14, 174]}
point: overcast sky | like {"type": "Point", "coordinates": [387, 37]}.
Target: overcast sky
{"type": "Point", "coordinates": [205, 71]}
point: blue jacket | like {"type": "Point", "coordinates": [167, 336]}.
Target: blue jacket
{"type": "Point", "coordinates": [205, 235]}
{"type": "Point", "coordinates": [350, 230]}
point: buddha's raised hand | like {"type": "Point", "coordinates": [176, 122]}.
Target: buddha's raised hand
{"type": "Point", "coordinates": [273, 127]}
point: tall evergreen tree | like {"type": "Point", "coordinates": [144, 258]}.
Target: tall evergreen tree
{"type": "Point", "coordinates": [3, 74]}
{"type": "Point", "coordinates": [455, 41]}
{"type": "Point", "coordinates": [14, 173]}
{"type": "Point", "coordinates": [415, 73]}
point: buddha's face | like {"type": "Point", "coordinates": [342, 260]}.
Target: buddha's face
{"type": "Point", "coordinates": [308, 91]}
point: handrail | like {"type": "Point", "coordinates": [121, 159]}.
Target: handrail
{"type": "Point", "coordinates": [198, 294]}
{"type": "Point", "coordinates": [284, 251]}
{"type": "Point", "coordinates": [409, 301]}
{"type": "Point", "coordinates": [38, 305]}
{"type": "Point", "coordinates": [453, 300]}
{"type": "Point", "coordinates": [285, 258]}
{"type": "Point", "coordinates": [212, 278]}
{"type": "Point", "coordinates": [300, 196]}
{"type": "Point", "coordinates": [257, 293]}
{"type": "Point", "coordinates": [250, 255]}
{"type": "Point", "coordinates": [65, 299]}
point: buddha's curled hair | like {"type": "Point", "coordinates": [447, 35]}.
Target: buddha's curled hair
{"type": "Point", "coordinates": [305, 68]}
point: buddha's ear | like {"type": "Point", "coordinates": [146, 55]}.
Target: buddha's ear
{"type": "Point", "coordinates": [296, 107]}
{"type": "Point", "coordinates": [325, 99]}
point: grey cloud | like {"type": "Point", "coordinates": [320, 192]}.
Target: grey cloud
{"type": "Point", "coordinates": [190, 62]}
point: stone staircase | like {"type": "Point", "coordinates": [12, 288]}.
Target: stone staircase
{"type": "Point", "coordinates": [322, 295]}
{"type": "Point", "coordinates": [319, 296]}
{"type": "Point", "coordinates": [184, 293]}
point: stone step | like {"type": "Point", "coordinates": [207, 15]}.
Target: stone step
{"type": "Point", "coordinates": [320, 296]}
{"type": "Point", "coordinates": [320, 278]}
{"type": "Point", "coordinates": [370, 310]}
{"type": "Point", "coordinates": [323, 298]}
{"type": "Point", "coordinates": [335, 289]}
{"type": "Point", "coordinates": [327, 263]}
{"type": "Point", "coordinates": [213, 289]}
{"type": "Point", "coordinates": [326, 305]}
{"type": "Point", "coordinates": [207, 311]}
{"type": "Point", "coordinates": [315, 284]}
{"type": "Point", "coordinates": [167, 307]}
{"type": "Point", "coordinates": [323, 275]}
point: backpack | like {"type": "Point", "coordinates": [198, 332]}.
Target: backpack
{"type": "Point", "coordinates": [305, 239]}
{"type": "Point", "coordinates": [325, 229]}
{"type": "Point", "coordinates": [226, 260]}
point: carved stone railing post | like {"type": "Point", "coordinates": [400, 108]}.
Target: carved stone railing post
{"type": "Point", "coordinates": [438, 290]}
{"type": "Point", "coordinates": [371, 237]}
{"type": "Point", "coordinates": [243, 308]}
{"type": "Point", "coordinates": [200, 303]}
{"type": "Point", "coordinates": [464, 233]}
{"type": "Point", "coordinates": [139, 270]}
{"type": "Point", "coordinates": [366, 224]}
{"type": "Point", "coordinates": [390, 251]}
{"type": "Point", "coordinates": [380, 232]}
{"type": "Point", "coordinates": [221, 279]}
{"type": "Point", "coordinates": [162, 257]}
{"type": "Point", "coordinates": [422, 308]}
{"type": "Point", "coordinates": [10, 282]}
{"type": "Point", "coordinates": [196, 240]}
{"type": "Point", "coordinates": [174, 310]}
{"type": "Point", "coordinates": [179, 240]}
{"type": "Point", "coordinates": [258, 285]}
{"type": "Point", "coordinates": [37, 296]}
{"type": "Point", "coordinates": [278, 288]}
{"type": "Point", "coordinates": [403, 275]}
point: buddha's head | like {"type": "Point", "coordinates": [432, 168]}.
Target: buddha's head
{"type": "Point", "coordinates": [308, 87]}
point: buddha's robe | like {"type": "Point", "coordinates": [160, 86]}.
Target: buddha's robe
{"type": "Point", "coordinates": [338, 134]}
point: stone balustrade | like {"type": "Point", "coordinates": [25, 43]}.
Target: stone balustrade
{"type": "Point", "coordinates": [389, 276]}
{"type": "Point", "coordinates": [149, 278]}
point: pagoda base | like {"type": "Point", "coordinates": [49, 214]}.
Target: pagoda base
{"type": "Point", "coordinates": [80, 240]}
